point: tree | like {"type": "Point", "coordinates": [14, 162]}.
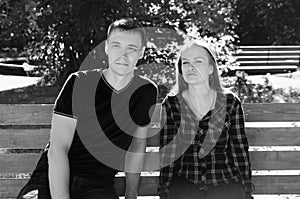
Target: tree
{"type": "Point", "coordinates": [17, 23]}
{"type": "Point", "coordinates": [267, 22]}
{"type": "Point", "coordinates": [66, 32]}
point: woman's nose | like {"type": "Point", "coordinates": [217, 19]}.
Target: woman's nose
{"type": "Point", "coordinates": [191, 67]}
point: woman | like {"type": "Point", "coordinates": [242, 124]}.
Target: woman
{"type": "Point", "coordinates": [204, 149]}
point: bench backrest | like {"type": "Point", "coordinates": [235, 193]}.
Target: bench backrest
{"type": "Point", "coordinates": [273, 132]}
{"type": "Point", "coordinates": [264, 59]}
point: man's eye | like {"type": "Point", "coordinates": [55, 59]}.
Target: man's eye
{"type": "Point", "coordinates": [133, 49]}
{"type": "Point", "coordinates": [115, 45]}
{"type": "Point", "coordinates": [185, 63]}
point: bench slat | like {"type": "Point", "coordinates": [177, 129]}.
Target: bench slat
{"type": "Point", "coordinates": [24, 138]}
{"type": "Point", "coordinates": [277, 112]}
{"type": "Point", "coordinates": [41, 114]}
{"type": "Point", "coordinates": [264, 185]}
{"type": "Point", "coordinates": [27, 127]}
{"type": "Point", "coordinates": [261, 160]}
{"type": "Point", "coordinates": [37, 138]}
{"type": "Point", "coordinates": [25, 114]}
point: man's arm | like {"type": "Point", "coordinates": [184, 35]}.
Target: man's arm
{"type": "Point", "coordinates": [134, 162]}
{"type": "Point", "coordinates": [61, 136]}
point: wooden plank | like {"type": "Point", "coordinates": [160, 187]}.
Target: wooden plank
{"type": "Point", "coordinates": [273, 136]}
{"type": "Point", "coordinates": [267, 68]}
{"type": "Point", "coordinates": [268, 112]}
{"type": "Point", "coordinates": [260, 112]}
{"type": "Point", "coordinates": [148, 185]}
{"type": "Point", "coordinates": [37, 138]}
{"type": "Point", "coordinates": [27, 115]}
{"type": "Point", "coordinates": [21, 114]}
{"type": "Point", "coordinates": [270, 47]}
{"type": "Point", "coordinates": [18, 163]}
{"type": "Point", "coordinates": [24, 138]}
{"type": "Point", "coordinates": [279, 64]}
{"type": "Point", "coordinates": [264, 57]}
{"type": "Point", "coordinates": [256, 136]}
{"type": "Point", "coordinates": [261, 160]}
{"type": "Point", "coordinates": [41, 114]}
{"type": "Point", "coordinates": [277, 184]}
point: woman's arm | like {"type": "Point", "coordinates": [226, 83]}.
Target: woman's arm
{"type": "Point", "coordinates": [167, 149]}
{"type": "Point", "coordinates": [240, 147]}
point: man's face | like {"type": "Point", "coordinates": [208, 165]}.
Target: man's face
{"type": "Point", "coordinates": [124, 49]}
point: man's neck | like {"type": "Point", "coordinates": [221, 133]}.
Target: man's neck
{"type": "Point", "coordinates": [118, 82]}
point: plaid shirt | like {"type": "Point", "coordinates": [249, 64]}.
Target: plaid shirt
{"type": "Point", "coordinates": [208, 152]}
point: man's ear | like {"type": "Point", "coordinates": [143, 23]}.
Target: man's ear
{"type": "Point", "coordinates": [142, 52]}
{"type": "Point", "coordinates": [106, 47]}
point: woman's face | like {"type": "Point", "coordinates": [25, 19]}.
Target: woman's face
{"type": "Point", "coordinates": [195, 65]}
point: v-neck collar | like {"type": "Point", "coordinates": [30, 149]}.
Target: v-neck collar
{"type": "Point", "coordinates": [112, 88]}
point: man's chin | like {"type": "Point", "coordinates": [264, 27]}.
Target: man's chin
{"type": "Point", "coordinates": [122, 72]}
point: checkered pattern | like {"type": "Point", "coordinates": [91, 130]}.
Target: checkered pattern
{"type": "Point", "coordinates": [208, 152]}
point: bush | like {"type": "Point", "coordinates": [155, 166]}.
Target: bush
{"type": "Point", "coordinates": [250, 92]}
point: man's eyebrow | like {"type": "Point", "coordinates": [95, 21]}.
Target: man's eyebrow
{"type": "Point", "coordinates": [115, 42]}
{"type": "Point", "coordinates": [133, 45]}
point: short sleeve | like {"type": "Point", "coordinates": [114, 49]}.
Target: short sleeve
{"type": "Point", "coordinates": [145, 104]}
{"type": "Point", "coordinates": [63, 103]}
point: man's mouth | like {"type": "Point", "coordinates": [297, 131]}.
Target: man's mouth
{"type": "Point", "coordinates": [123, 64]}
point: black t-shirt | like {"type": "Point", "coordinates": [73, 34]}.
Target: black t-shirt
{"type": "Point", "coordinates": [106, 121]}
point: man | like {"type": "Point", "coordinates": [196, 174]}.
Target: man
{"type": "Point", "coordinates": [99, 125]}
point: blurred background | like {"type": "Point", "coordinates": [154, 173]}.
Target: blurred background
{"type": "Point", "coordinates": [257, 43]}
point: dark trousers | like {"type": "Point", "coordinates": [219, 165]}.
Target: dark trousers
{"type": "Point", "coordinates": [185, 189]}
{"type": "Point", "coordinates": [81, 188]}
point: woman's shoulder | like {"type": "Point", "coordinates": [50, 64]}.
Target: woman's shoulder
{"type": "Point", "coordinates": [171, 98]}
{"type": "Point", "coordinates": [231, 97]}
{"type": "Point", "coordinates": [171, 101]}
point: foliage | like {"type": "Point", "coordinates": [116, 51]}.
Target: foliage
{"type": "Point", "coordinates": [249, 92]}
{"type": "Point", "coordinates": [268, 22]}
{"type": "Point", "coordinates": [61, 34]}
{"type": "Point", "coordinates": [17, 23]}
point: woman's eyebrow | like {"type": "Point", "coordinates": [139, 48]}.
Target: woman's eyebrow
{"type": "Point", "coordinates": [199, 58]}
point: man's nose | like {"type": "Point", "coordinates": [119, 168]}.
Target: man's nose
{"type": "Point", "coordinates": [124, 52]}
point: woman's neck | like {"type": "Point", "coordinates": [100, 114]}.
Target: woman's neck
{"type": "Point", "coordinates": [199, 91]}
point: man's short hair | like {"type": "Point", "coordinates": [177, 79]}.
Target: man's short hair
{"type": "Point", "coordinates": [128, 24]}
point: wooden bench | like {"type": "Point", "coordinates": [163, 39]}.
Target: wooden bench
{"type": "Point", "coordinates": [273, 132]}
{"type": "Point", "coordinates": [15, 66]}
{"type": "Point", "coordinates": [258, 60]}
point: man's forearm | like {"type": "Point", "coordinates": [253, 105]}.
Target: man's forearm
{"type": "Point", "coordinates": [134, 162]}
{"type": "Point", "coordinates": [132, 184]}
{"type": "Point", "coordinates": [59, 176]}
